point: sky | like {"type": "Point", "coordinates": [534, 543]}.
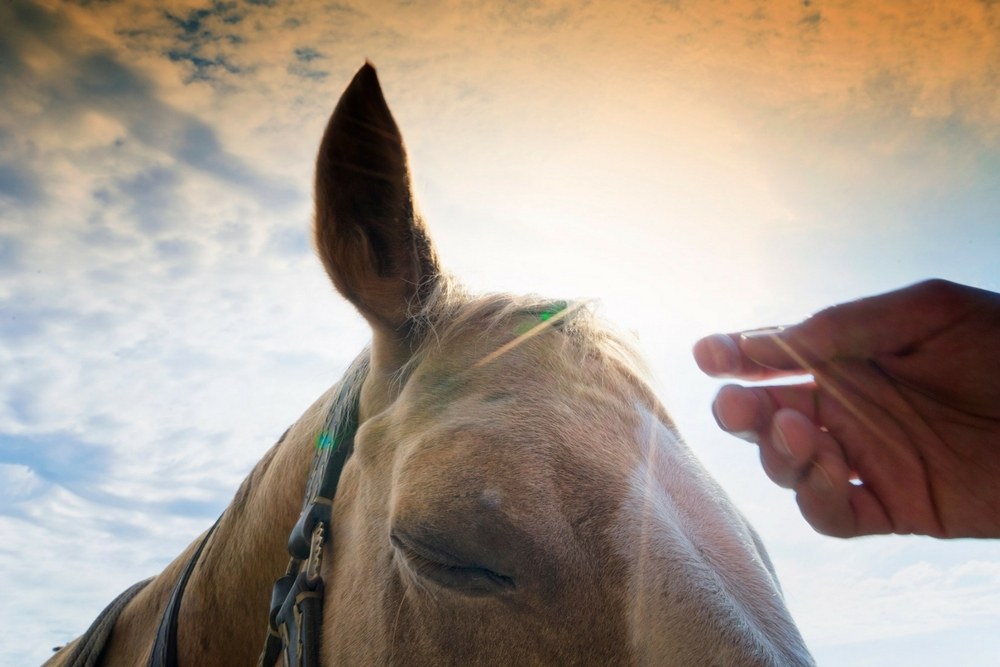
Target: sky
{"type": "Point", "coordinates": [694, 166]}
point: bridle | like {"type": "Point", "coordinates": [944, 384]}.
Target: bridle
{"type": "Point", "coordinates": [296, 617]}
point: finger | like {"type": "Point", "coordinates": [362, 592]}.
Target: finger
{"type": "Point", "coordinates": [741, 411]}
{"type": "Point", "coordinates": [746, 412]}
{"type": "Point", "coordinates": [834, 506]}
{"type": "Point", "coordinates": [796, 453]}
{"type": "Point", "coordinates": [793, 444]}
{"type": "Point", "coordinates": [719, 355]}
{"type": "Point", "coordinates": [868, 421]}
{"type": "Point", "coordinates": [889, 323]}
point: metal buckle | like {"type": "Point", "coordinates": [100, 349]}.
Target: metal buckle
{"type": "Point", "coordinates": [315, 560]}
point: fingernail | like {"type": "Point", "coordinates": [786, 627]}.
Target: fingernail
{"type": "Point", "coordinates": [725, 353]}
{"type": "Point", "coordinates": [749, 436]}
{"type": "Point", "coordinates": [820, 480]}
{"type": "Point", "coordinates": [781, 444]}
{"type": "Point", "coordinates": [758, 334]}
{"type": "Point", "coordinates": [718, 419]}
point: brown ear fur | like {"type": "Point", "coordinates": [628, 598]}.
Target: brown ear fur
{"type": "Point", "coordinates": [373, 244]}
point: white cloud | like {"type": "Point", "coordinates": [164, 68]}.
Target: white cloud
{"type": "Point", "coordinates": [19, 482]}
{"type": "Point", "coordinates": [878, 589]}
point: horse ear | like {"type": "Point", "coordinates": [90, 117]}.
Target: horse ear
{"type": "Point", "coordinates": [371, 240]}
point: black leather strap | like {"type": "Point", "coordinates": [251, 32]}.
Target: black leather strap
{"type": "Point", "coordinates": [299, 623]}
{"type": "Point", "coordinates": [165, 649]}
{"type": "Point", "coordinates": [334, 445]}
{"type": "Point", "coordinates": [90, 647]}
{"type": "Point", "coordinates": [296, 618]}
{"type": "Point", "coordinates": [309, 617]}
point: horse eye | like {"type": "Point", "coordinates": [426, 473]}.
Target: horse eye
{"type": "Point", "coordinates": [425, 561]}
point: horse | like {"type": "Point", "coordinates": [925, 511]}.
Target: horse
{"type": "Point", "coordinates": [512, 492]}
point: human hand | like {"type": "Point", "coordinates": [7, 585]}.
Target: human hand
{"type": "Point", "coordinates": [899, 429]}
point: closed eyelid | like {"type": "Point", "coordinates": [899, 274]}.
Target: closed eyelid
{"type": "Point", "coordinates": [447, 570]}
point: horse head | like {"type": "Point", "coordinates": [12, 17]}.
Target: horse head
{"type": "Point", "coordinates": [517, 494]}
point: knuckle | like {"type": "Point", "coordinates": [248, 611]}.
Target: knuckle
{"type": "Point", "coordinates": [823, 323]}
{"type": "Point", "coordinates": [938, 289]}
{"type": "Point", "coordinates": [950, 300]}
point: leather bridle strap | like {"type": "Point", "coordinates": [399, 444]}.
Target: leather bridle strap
{"type": "Point", "coordinates": [296, 616]}
{"type": "Point", "coordinates": [165, 648]}
{"type": "Point", "coordinates": [295, 621]}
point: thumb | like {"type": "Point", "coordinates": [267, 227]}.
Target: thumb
{"type": "Point", "coordinates": [892, 323]}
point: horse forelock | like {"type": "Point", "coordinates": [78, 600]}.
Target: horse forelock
{"type": "Point", "coordinates": [448, 312]}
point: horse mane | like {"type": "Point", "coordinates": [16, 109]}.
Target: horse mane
{"type": "Point", "coordinates": [448, 310]}
{"type": "Point", "coordinates": [334, 411]}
